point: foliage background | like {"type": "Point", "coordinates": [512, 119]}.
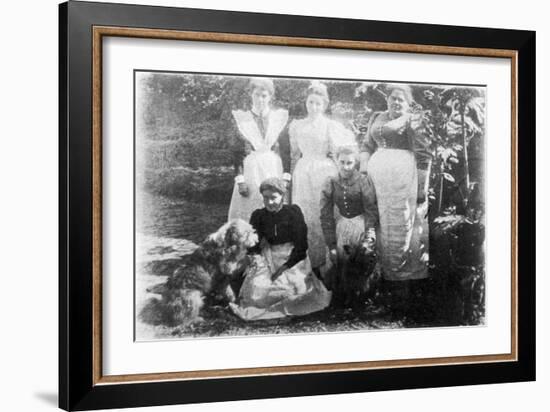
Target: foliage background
{"type": "Point", "coordinates": [184, 166]}
{"type": "Point", "coordinates": [184, 121]}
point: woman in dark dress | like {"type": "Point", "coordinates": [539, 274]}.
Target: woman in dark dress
{"type": "Point", "coordinates": [349, 213]}
{"type": "Point", "coordinates": [279, 282]}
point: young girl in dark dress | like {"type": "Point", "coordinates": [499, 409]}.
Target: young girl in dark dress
{"type": "Point", "coordinates": [352, 195]}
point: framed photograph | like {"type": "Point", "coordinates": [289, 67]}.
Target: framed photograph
{"type": "Point", "coordinates": [256, 205]}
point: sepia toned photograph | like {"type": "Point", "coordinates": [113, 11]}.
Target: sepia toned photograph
{"type": "Point", "coordinates": [283, 205]}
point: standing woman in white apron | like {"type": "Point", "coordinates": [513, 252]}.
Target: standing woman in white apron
{"type": "Point", "coordinates": [258, 146]}
{"type": "Point", "coordinates": [397, 156]}
{"type": "Point", "coordinates": [313, 141]}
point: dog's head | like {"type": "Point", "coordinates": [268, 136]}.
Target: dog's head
{"type": "Point", "coordinates": [232, 241]}
{"type": "Point", "coordinates": [240, 233]}
{"type": "Point", "coordinates": [360, 257]}
{"type": "Point", "coordinates": [360, 267]}
{"type": "Point", "coordinates": [234, 234]}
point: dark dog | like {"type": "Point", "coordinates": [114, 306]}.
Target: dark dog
{"type": "Point", "coordinates": [354, 278]}
{"type": "Point", "coordinates": [207, 274]}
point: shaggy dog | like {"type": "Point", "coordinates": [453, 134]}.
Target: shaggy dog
{"type": "Point", "coordinates": [355, 277]}
{"type": "Point", "coordinates": [207, 274]}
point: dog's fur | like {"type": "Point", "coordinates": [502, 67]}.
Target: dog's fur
{"type": "Point", "coordinates": [354, 278]}
{"type": "Point", "coordinates": [207, 274]}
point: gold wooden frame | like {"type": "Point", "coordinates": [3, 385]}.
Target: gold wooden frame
{"type": "Point", "coordinates": [101, 31]}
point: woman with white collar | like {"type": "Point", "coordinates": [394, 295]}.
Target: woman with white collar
{"type": "Point", "coordinates": [259, 132]}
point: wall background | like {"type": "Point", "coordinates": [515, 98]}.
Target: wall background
{"type": "Point", "coordinates": [28, 206]}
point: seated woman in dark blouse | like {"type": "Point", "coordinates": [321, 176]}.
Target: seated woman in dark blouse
{"type": "Point", "coordinates": [279, 282]}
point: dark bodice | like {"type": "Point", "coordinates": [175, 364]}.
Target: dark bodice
{"type": "Point", "coordinates": [284, 226]}
{"type": "Point", "coordinates": [407, 139]}
{"type": "Point", "coordinates": [352, 197]}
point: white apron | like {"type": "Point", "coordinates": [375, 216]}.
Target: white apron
{"type": "Point", "coordinates": [296, 292]}
{"type": "Point", "coordinates": [260, 164]}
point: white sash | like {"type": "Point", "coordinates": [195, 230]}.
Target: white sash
{"type": "Point", "coordinates": [248, 127]}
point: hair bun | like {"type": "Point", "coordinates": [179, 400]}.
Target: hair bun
{"type": "Point", "coordinates": [263, 83]}
{"type": "Point", "coordinates": [318, 88]}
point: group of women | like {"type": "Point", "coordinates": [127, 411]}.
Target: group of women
{"type": "Point", "coordinates": [322, 190]}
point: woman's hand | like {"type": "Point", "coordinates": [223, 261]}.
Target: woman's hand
{"type": "Point", "coordinates": [398, 125]}
{"type": "Point", "coordinates": [421, 196]}
{"type": "Point", "coordinates": [333, 256]}
{"type": "Point", "coordinates": [278, 272]}
{"type": "Point", "coordinates": [243, 189]}
{"type": "Point", "coordinates": [368, 238]}
{"type": "Point", "coordinates": [363, 162]}
{"type": "Point", "coordinates": [287, 178]}
{"type": "Point", "coordinates": [264, 243]}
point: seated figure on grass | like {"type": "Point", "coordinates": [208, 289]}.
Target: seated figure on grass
{"type": "Point", "coordinates": [279, 282]}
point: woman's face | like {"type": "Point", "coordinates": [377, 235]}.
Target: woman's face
{"type": "Point", "coordinates": [260, 100]}
{"type": "Point", "coordinates": [315, 105]}
{"type": "Point", "coordinates": [346, 165]}
{"type": "Point", "coordinates": [273, 201]}
{"type": "Point", "coordinates": [397, 103]}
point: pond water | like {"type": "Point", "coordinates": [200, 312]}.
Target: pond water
{"type": "Point", "coordinates": [163, 217]}
{"type": "Point", "coordinates": [167, 229]}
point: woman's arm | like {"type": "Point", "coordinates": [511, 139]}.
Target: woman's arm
{"type": "Point", "coordinates": [282, 148]}
{"type": "Point", "coordinates": [240, 148]}
{"type": "Point", "coordinates": [255, 220]}
{"type": "Point", "coordinates": [299, 236]}
{"type": "Point", "coordinates": [421, 147]}
{"type": "Point", "coordinates": [328, 223]}
{"type": "Point", "coordinates": [368, 146]}
{"type": "Point", "coordinates": [295, 152]}
{"type": "Point", "coordinates": [370, 206]}
{"type": "Point", "coordinates": [339, 136]}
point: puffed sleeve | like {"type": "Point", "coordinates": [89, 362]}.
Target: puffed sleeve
{"type": "Point", "coordinates": [328, 223]}
{"type": "Point", "coordinates": [295, 152]}
{"type": "Point", "coordinates": [370, 205]}
{"type": "Point", "coordinates": [299, 236]}
{"type": "Point", "coordinates": [421, 146]}
{"type": "Point", "coordinates": [255, 220]}
{"type": "Point", "coordinates": [339, 136]}
{"type": "Point", "coordinates": [369, 144]}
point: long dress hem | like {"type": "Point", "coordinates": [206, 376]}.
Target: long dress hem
{"type": "Point", "coordinates": [296, 292]}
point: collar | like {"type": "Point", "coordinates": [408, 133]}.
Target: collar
{"type": "Point", "coordinates": [277, 212]}
{"type": "Point", "coordinates": [262, 115]}
{"type": "Point", "coordinates": [351, 180]}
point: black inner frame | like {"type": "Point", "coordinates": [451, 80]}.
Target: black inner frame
{"type": "Point", "coordinates": [76, 389]}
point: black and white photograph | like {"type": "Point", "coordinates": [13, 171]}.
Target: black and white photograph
{"type": "Point", "coordinates": [283, 205]}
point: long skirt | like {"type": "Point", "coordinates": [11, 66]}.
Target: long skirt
{"type": "Point", "coordinates": [257, 166]}
{"type": "Point", "coordinates": [296, 292]}
{"type": "Point", "coordinates": [348, 232]}
{"type": "Point", "coordinates": [307, 181]}
{"type": "Point", "coordinates": [402, 238]}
